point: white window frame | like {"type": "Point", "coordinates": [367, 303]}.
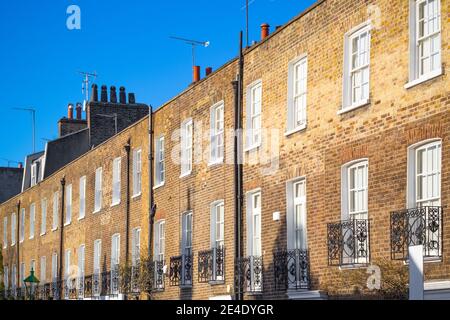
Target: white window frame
{"type": "Point", "coordinates": [116, 181]}
{"type": "Point", "coordinates": [217, 138]}
{"type": "Point", "coordinates": [137, 172]}
{"type": "Point", "coordinates": [55, 209]}
{"type": "Point", "coordinates": [160, 165]}
{"type": "Point", "coordinates": [82, 198]}
{"type": "Point", "coordinates": [43, 270]}
{"type": "Point", "coordinates": [296, 225]}
{"type": "Point", "coordinates": [14, 277]}
{"type": "Point", "coordinates": [295, 123]}
{"type": "Point", "coordinates": [22, 274]}
{"type": "Point", "coordinates": [253, 133]}
{"type": "Point", "coordinates": [346, 212]}
{"type": "Point", "coordinates": [347, 97]}
{"type": "Point", "coordinates": [67, 262]}
{"type": "Point", "coordinates": [411, 199]}
{"type": "Point", "coordinates": [97, 256]}
{"type": "Point", "coordinates": [160, 240]}
{"type": "Point", "coordinates": [43, 216]}
{"type": "Point", "coordinates": [68, 205]}
{"type": "Point", "coordinates": [254, 239]}
{"type": "Point", "coordinates": [22, 225]}
{"type": "Point", "coordinates": [136, 247]}
{"type": "Point", "coordinates": [415, 74]}
{"type": "Point", "coordinates": [6, 276]}
{"type": "Point", "coordinates": [54, 266]}
{"type": "Point", "coordinates": [32, 220]}
{"type": "Point", "coordinates": [115, 255]}
{"type": "Point", "coordinates": [187, 144]}
{"type": "Point", "coordinates": [81, 256]}
{"type": "Point", "coordinates": [186, 233]}
{"type": "Point", "coordinates": [5, 232]}
{"type": "Point", "coordinates": [13, 228]}
{"type": "Point", "coordinates": [98, 196]}
{"type": "Point", "coordinates": [216, 224]}
{"type": "Point", "coordinates": [34, 174]}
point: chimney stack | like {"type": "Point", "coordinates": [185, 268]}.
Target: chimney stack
{"type": "Point", "coordinates": [196, 74]}
{"type": "Point", "coordinates": [20, 166]}
{"type": "Point", "coordinates": [94, 97]}
{"type": "Point", "coordinates": [131, 98]}
{"type": "Point", "coordinates": [78, 111]}
{"type": "Point", "coordinates": [112, 94]}
{"type": "Point", "coordinates": [265, 31]}
{"type": "Point", "coordinates": [70, 111]}
{"type": "Point", "coordinates": [104, 94]}
{"type": "Point", "coordinates": [122, 95]}
{"type": "Point", "coordinates": [209, 70]}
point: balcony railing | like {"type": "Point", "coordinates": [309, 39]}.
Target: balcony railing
{"type": "Point", "coordinates": [211, 265]}
{"type": "Point", "coordinates": [418, 226]}
{"type": "Point", "coordinates": [348, 243]}
{"type": "Point", "coordinates": [43, 292]}
{"type": "Point", "coordinates": [158, 275]}
{"type": "Point", "coordinates": [249, 274]}
{"type": "Point", "coordinates": [291, 269]}
{"type": "Point", "coordinates": [181, 270]}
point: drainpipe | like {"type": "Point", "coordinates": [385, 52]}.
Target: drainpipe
{"type": "Point", "coordinates": [18, 283]}
{"type": "Point", "coordinates": [152, 205]}
{"type": "Point", "coordinates": [61, 235]}
{"type": "Point", "coordinates": [127, 148]}
{"type": "Point", "coordinates": [238, 98]}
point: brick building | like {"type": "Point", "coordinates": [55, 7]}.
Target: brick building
{"type": "Point", "coordinates": [341, 166]}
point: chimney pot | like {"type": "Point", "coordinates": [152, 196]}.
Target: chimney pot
{"type": "Point", "coordinates": [94, 96]}
{"type": "Point", "coordinates": [196, 74]}
{"type": "Point", "coordinates": [78, 110]}
{"type": "Point", "coordinates": [113, 95]}
{"type": "Point", "coordinates": [131, 98]}
{"type": "Point", "coordinates": [20, 166]}
{"type": "Point", "coordinates": [209, 70]}
{"type": "Point", "coordinates": [265, 30]}
{"type": "Point", "coordinates": [122, 95]}
{"type": "Point", "coordinates": [104, 94]}
{"type": "Point", "coordinates": [70, 111]}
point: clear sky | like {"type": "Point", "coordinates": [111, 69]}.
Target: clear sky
{"type": "Point", "coordinates": [125, 41]}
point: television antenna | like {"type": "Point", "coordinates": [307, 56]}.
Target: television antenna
{"type": "Point", "coordinates": [85, 85]}
{"type": "Point", "coordinates": [10, 161]}
{"type": "Point", "coordinates": [33, 124]}
{"type": "Point", "coordinates": [194, 44]}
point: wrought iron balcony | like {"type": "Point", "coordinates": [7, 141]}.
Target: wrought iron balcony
{"type": "Point", "coordinates": [249, 274]}
{"type": "Point", "coordinates": [135, 278]}
{"type": "Point", "coordinates": [181, 270]}
{"type": "Point", "coordinates": [211, 265]}
{"type": "Point", "coordinates": [291, 269]}
{"type": "Point", "coordinates": [43, 292]}
{"type": "Point", "coordinates": [55, 289]}
{"type": "Point", "coordinates": [348, 243]}
{"type": "Point", "coordinates": [158, 275]}
{"type": "Point", "coordinates": [115, 280]}
{"type": "Point", "coordinates": [418, 226]}
{"type": "Point", "coordinates": [70, 288]}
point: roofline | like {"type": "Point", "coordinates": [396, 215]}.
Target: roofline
{"type": "Point", "coordinates": [246, 51]}
{"type": "Point", "coordinates": [81, 156]}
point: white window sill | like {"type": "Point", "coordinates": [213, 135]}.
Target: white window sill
{"type": "Point", "coordinates": [13, 244]}
{"type": "Point", "coordinates": [184, 175]}
{"type": "Point", "coordinates": [295, 130]}
{"type": "Point", "coordinates": [424, 78]}
{"type": "Point", "coordinates": [54, 229]}
{"type": "Point", "coordinates": [253, 147]}
{"type": "Point", "coordinates": [354, 266]}
{"type": "Point", "coordinates": [43, 234]}
{"type": "Point", "coordinates": [160, 185]}
{"type": "Point", "coordinates": [67, 224]}
{"type": "Point", "coordinates": [215, 162]}
{"type": "Point", "coordinates": [115, 204]}
{"type": "Point", "coordinates": [426, 260]}
{"type": "Point", "coordinates": [21, 241]}
{"type": "Point", "coordinates": [81, 218]}
{"type": "Point", "coordinates": [97, 211]}
{"type": "Point", "coordinates": [354, 106]}
{"type": "Point", "coordinates": [137, 195]}
{"type": "Point", "coordinates": [31, 238]}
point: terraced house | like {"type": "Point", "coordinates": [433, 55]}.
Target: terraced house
{"type": "Point", "coordinates": [303, 169]}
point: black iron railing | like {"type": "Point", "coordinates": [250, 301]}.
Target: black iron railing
{"type": "Point", "coordinates": [180, 273]}
{"type": "Point", "coordinates": [348, 242]}
{"type": "Point", "coordinates": [43, 292]}
{"type": "Point", "coordinates": [291, 269]}
{"type": "Point", "coordinates": [249, 274]}
{"type": "Point", "coordinates": [211, 265]}
{"type": "Point", "coordinates": [418, 226]}
{"type": "Point", "coordinates": [158, 275]}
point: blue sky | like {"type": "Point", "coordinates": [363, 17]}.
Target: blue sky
{"type": "Point", "coordinates": [126, 42]}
